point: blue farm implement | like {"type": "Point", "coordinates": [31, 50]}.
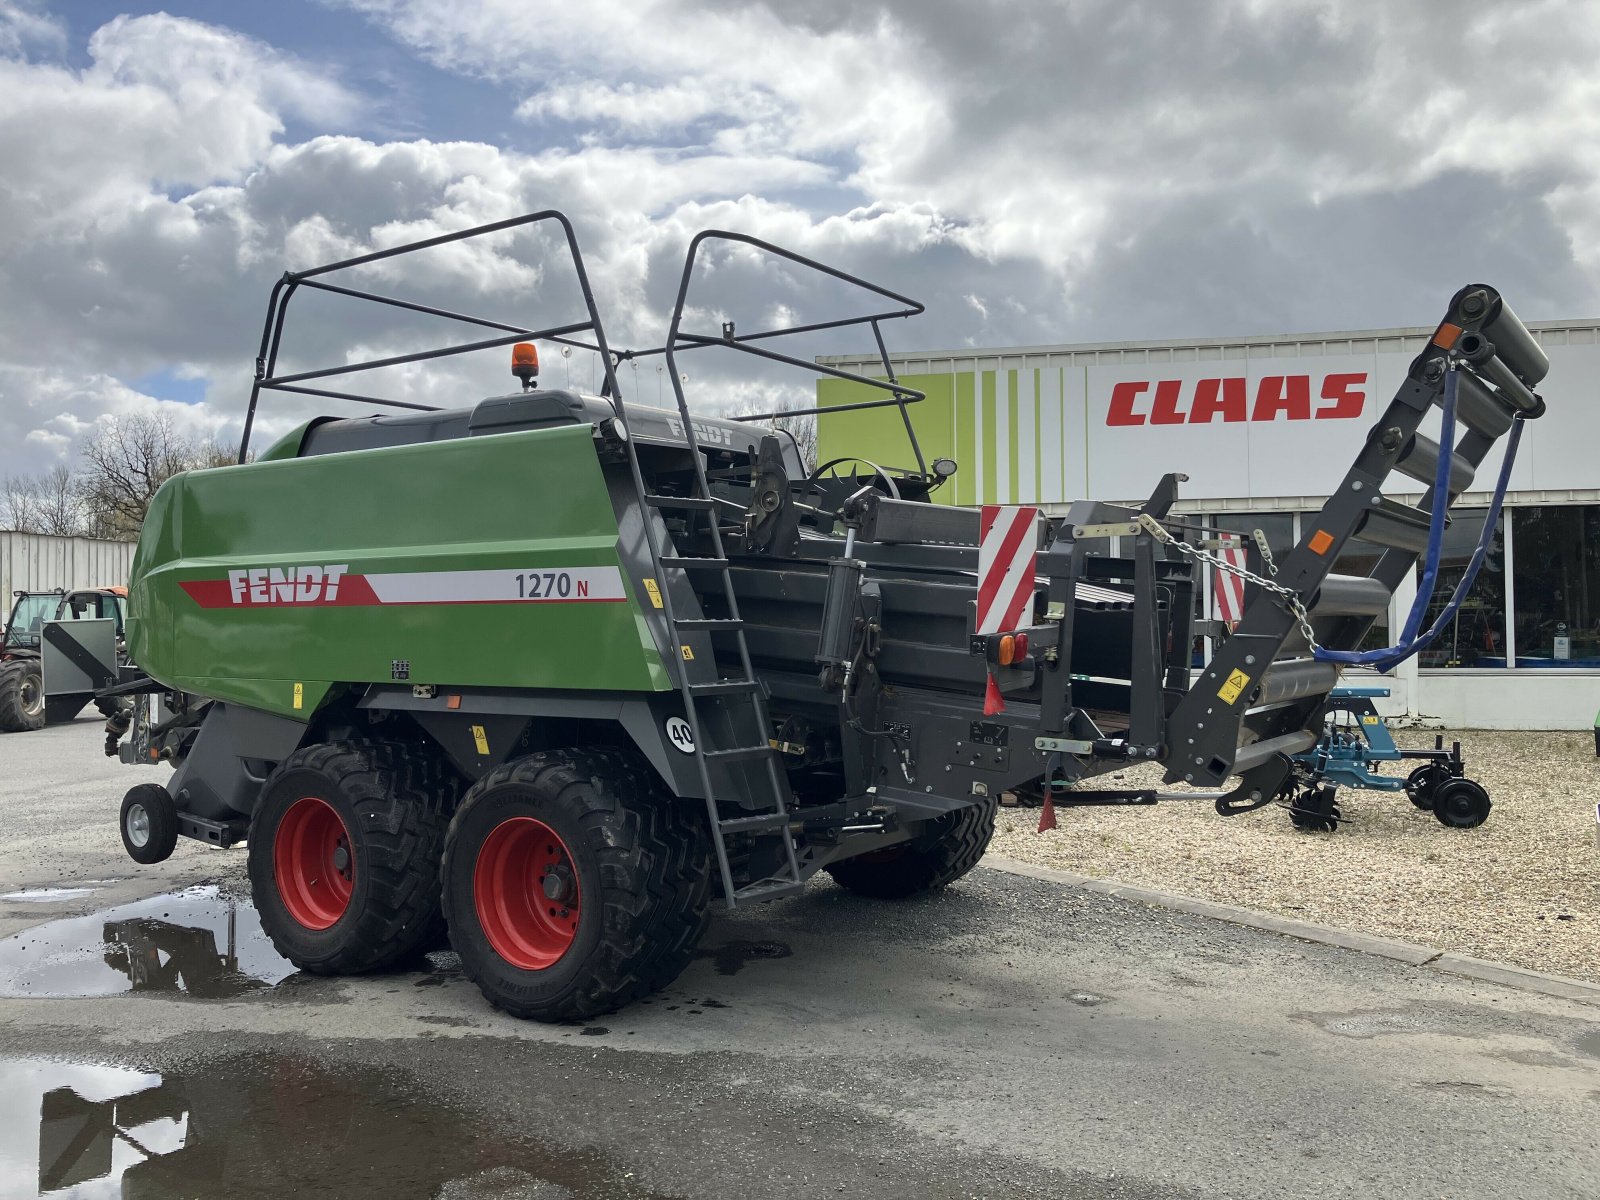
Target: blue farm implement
{"type": "Point", "coordinates": [1355, 743]}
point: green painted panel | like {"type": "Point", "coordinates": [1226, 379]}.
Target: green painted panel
{"type": "Point", "coordinates": [1012, 423]}
{"type": "Point", "coordinates": [427, 541]}
{"type": "Point", "coordinates": [966, 480]}
{"type": "Point", "coordinates": [879, 434]}
{"type": "Point", "coordinates": [991, 439]}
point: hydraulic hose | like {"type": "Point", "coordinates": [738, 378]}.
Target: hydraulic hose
{"type": "Point", "coordinates": [1411, 642]}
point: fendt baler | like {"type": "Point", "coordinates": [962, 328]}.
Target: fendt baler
{"type": "Point", "coordinates": [556, 671]}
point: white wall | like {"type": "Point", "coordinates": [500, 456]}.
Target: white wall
{"type": "Point", "coordinates": [1525, 699]}
{"type": "Point", "coordinates": [36, 562]}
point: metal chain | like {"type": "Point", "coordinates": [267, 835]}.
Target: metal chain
{"type": "Point", "coordinates": [1290, 598]}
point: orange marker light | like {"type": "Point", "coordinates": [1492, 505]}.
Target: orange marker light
{"type": "Point", "coordinates": [1008, 650]}
{"type": "Point", "coordinates": [525, 362]}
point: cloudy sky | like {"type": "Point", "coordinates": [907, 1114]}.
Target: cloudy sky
{"type": "Point", "coordinates": [1035, 170]}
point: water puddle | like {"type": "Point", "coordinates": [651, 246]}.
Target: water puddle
{"type": "Point", "coordinates": [263, 1125]}
{"type": "Point", "coordinates": [195, 941]}
{"type": "Point", "coordinates": [731, 957]}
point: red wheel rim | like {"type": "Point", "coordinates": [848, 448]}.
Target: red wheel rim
{"type": "Point", "coordinates": [525, 887]}
{"type": "Point", "coordinates": [314, 863]}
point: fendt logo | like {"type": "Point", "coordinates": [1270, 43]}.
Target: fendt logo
{"type": "Point", "coordinates": [286, 585]}
{"type": "Point", "coordinates": [1166, 402]}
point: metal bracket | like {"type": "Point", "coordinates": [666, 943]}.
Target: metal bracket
{"type": "Point", "coordinates": [1111, 529]}
{"type": "Point", "coordinates": [1063, 745]}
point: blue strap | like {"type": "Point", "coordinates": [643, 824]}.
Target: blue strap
{"type": "Point", "coordinates": [1410, 641]}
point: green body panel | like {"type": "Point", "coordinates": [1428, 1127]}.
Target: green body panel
{"type": "Point", "coordinates": [517, 502]}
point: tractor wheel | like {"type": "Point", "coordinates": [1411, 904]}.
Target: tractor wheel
{"type": "Point", "coordinates": [344, 854]}
{"type": "Point", "coordinates": [947, 850]}
{"type": "Point", "coordinates": [1422, 783]}
{"type": "Point", "coordinates": [1461, 804]}
{"type": "Point", "coordinates": [114, 706]}
{"type": "Point", "coordinates": [574, 883]}
{"type": "Point", "coordinates": [21, 696]}
{"type": "Point", "coordinates": [58, 710]}
{"type": "Point", "coordinates": [149, 823]}
{"type": "Point", "coordinates": [1316, 811]}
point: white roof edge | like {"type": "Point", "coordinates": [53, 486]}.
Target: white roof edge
{"type": "Point", "coordinates": [1266, 339]}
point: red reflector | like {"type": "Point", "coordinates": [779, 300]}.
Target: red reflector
{"type": "Point", "coordinates": [1022, 646]}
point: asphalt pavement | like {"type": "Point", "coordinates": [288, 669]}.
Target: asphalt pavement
{"type": "Point", "coordinates": [1008, 1037]}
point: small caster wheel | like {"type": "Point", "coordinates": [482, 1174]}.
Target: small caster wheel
{"type": "Point", "coordinates": [149, 824]}
{"type": "Point", "coordinates": [1315, 811]}
{"type": "Point", "coordinates": [1422, 783]}
{"type": "Point", "coordinates": [1461, 804]}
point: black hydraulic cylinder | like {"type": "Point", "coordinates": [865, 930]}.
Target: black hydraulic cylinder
{"type": "Point", "coordinates": [836, 641]}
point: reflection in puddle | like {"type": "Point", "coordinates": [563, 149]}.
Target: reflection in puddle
{"type": "Point", "coordinates": [194, 941]}
{"type": "Point", "coordinates": [263, 1125]}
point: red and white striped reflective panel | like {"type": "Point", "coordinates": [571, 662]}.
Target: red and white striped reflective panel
{"type": "Point", "coordinates": [1008, 548]}
{"type": "Point", "coordinates": [1229, 589]}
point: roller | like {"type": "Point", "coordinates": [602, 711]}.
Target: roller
{"type": "Point", "coordinates": [1419, 458]}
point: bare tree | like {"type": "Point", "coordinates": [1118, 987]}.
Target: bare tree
{"type": "Point", "coordinates": [44, 503]}
{"type": "Point", "coordinates": [125, 462]}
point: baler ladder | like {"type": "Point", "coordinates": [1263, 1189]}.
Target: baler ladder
{"type": "Point", "coordinates": [722, 747]}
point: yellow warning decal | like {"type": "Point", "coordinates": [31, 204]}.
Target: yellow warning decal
{"type": "Point", "coordinates": [654, 589]}
{"type": "Point", "coordinates": [299, 695]}
{"type": "Point", "coordinates": [1236, 683]}
{"type": "Point", "coordinates": [688, 654]}
{"type": "Point", "coordinates": [481, 739]}
{"type": "Point", "coordinates": [1370, 719]}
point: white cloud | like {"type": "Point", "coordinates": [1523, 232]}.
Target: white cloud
{"type": "Point", "coordinates": [1036, 172]}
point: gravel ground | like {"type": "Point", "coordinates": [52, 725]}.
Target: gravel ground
{"type": "Point", "coordinates": [1522, 888]}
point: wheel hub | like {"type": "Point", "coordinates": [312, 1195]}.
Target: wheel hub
{"type": "Point", "coordinates": [558, 883]}
{"type": "Point", "coordinates": [138, 825]}
{"type": "Point", "coordinates": [527, 894]}
{"type": "Point", "coordinates": [31, 691]}
{"type": "Point", "coordinates": [313, 863]}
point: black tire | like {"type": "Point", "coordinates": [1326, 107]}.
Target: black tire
{"type": "Point", "coordinates": [1422, 783]}
{"type": "Point", "coordinates": [1315, 810]}
{"type": "Point", "coordinates": [393, 802]}
{"type": "Point", "coordinates": [21, 696]}
{"type": "Point", "coordinates": [941, 854]}
{"type": "Point", "coordinates": [58, 710]}
{"type": "Point", "coordinates": [113, 706]}
{"type": "Point", "coordinates": [633, 865]}
{"type": "Point", "coordinates": [149, 823]}
{"type": "Point", "coordinates": [1461, 804]}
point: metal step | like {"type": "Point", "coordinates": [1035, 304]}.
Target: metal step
{"type": "Point", "coordinates": [709, 623]}
{"type": "Point", "coordinates": [693, 564]}
{"type": "Point", "coordinates": [725, 687]}
{"type": "Point", "coordinates": [694, 503]}
{"type": "Point", "coordinates": [767, 889]}
{"type": "Point", "coordinates": [756, 823]}
{"type": "Point", "coordinates": [738, 754]}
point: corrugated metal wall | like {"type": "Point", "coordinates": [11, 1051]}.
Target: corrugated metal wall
{"type": "Point", "coordinates": [35, 562]}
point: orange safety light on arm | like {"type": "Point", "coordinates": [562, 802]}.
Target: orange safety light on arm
{"type": "Point", "coordinates": [525, 362]}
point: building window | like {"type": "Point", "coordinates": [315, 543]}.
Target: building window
{"type": "Point", "coordinates": [1556, 574]}
{"type": "Point", "coordinates": [1476, 635]}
